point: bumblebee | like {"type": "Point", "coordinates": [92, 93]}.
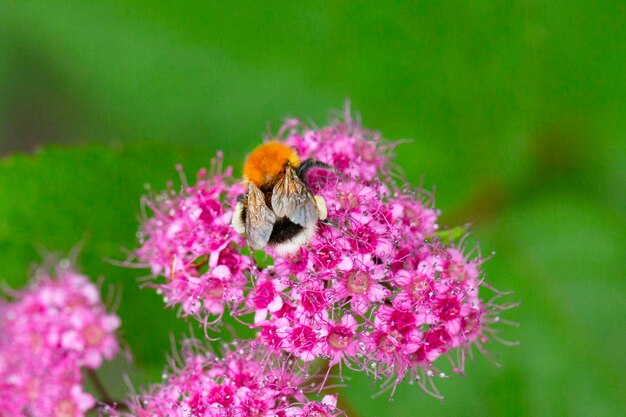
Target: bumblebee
{"type": "Point", "coordinates": [279, 209]}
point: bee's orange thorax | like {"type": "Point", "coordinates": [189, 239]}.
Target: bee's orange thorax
{"type": "Point", "coordinates": [267, 162]}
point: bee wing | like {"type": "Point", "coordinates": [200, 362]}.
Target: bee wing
{"type": "Point", "coordinates": [292, 198]}
{"type": "Point", "coordinates": [259, 218]}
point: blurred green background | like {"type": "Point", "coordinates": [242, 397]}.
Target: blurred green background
{"type": "Point", "coordinates": [517, 110]}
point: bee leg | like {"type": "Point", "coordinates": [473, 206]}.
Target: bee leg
{"type": "Point", "coordinates": [330, 222]}
{"type": "Point", "coordinates": [310, 163]}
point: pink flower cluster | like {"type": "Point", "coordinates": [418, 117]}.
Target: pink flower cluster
{"type": "Point", "coordinates": [376, 289]}
{"type": "Point", "coordinates": [247, 380]}
{"type": "Point", "coordinates": [48, 332]}
{"type": "Point", "coordinates": [191, 243]}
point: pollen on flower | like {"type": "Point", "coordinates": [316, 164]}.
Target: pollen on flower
{"type": "Point", "coordinates": [64, 408]}
{"type": "Point", "coordinates": [93, 334]}
{"type": "Point", "coordinates": [358, 282]}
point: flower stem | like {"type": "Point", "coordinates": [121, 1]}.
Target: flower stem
{"type": "Point", "coordinates": [342, 404]}
{"type": "Point", "coordinates": [97, 384]}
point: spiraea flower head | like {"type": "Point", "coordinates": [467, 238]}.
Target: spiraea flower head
{"type": "Point", "coordinates": [378, 288]}
{"type": "Point", "coordinates": [244, 380]}
{"type": "Point", "coordinates": [48, 332]}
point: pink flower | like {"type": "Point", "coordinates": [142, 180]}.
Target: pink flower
{"type": "Point", "coordinates": [246, 381]}
{"type": "Point", "coordinates": [74, 403]}
{"type": "Point", "coordinates": [92, 338]}
{"type": "Point", "coordinates": [360, 282]}
{"type": "Point", "coordinates": [47, 333]}
{"type": "Point", "coordinates": [341, 339]}
{"type": "Point", "coordinates": [300, 339]}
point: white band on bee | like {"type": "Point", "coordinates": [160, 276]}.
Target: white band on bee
{"type": "Point", "coordinates": [292, 245]}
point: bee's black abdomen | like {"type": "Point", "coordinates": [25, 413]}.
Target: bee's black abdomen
{"type": "Point", "coordinates": [284, 229]}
